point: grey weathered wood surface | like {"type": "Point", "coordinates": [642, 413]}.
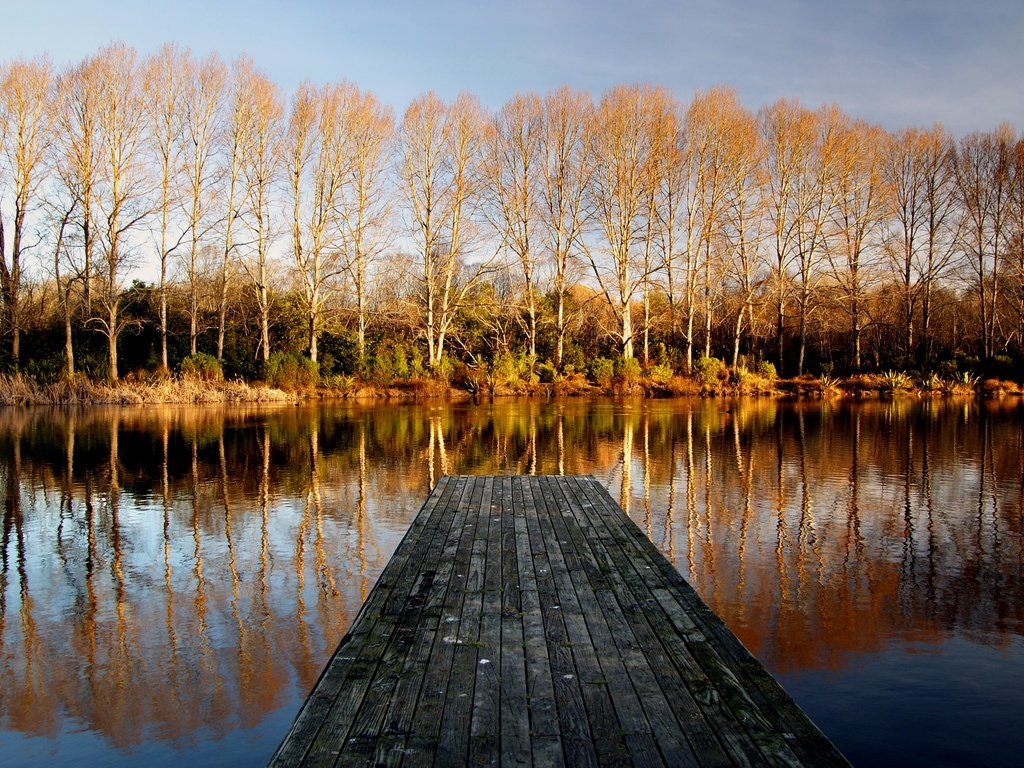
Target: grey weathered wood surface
{"type": "Point", "coordinates": [527, 621]}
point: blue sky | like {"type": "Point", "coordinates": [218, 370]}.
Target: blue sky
{"type": "Point", "coordinates": [897, 62]}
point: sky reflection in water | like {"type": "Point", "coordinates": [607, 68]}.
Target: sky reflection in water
{"type": "Point", "coordinates": [173, 580]}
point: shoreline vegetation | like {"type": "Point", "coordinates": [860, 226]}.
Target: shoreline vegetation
{"type": "Point", "coordinates": [187, 225]}
{"type": "Point", "coordinates": [478, 385]}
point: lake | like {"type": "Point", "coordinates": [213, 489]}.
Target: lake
{"type": "Point", "coordinates": [174, 579]}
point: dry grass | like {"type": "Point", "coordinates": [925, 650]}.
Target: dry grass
{"type": "Point", "coordinates": [79, 390]}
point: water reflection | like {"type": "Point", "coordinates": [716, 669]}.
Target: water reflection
{"type": "Point", "coordinates": [180, 576]}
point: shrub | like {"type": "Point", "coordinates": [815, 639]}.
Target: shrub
{"type": "Point", "coordinates": [291, 372]}
{"type": "Point", "coordinates": [546, 372]}
{"type": "Point", "coordinates": [202, 367]}
{"type": "Point", "coordinates": [627, 370]}
{"type": "Point", "coordinates": [601, 371]}
{"type": "Point", "coordinates": [660, 374]}
{"type": "Point", "coordinates": [767, 370]}
{"type": "Point", "coordinates": [708, 370]}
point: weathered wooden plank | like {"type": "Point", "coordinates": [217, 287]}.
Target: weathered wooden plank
{"type": "Point", "coordinates": [769, 717]}
{"type": "Point", "coordinates": [346, 660]}
{"type": "Point", "coordinates": [528, 621]}
{"type": "Point", "coordinates": [576, 608]}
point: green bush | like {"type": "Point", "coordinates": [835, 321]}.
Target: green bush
{"type": "Point", "coordinates": [291, 372]}
{"type": "Point", "coordinates": [628, 370]}
{"type": "Point", "coordinates": [546, 372]}
{"type": "Point", "coordinates": [601, 371]}
{"type": "Point", "coordinates": [660, 374]}
{"type": "Point", "coordinates": [708, 370]}
{"type": "Point", "coordinates": [766, 370]}
{"type": "Point", "coordinates": [202, 367]}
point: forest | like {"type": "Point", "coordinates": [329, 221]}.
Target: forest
{"type": "Point", "coordinates": [558, 235]}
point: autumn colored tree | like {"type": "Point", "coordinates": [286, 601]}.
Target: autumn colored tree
{"type": "Point", "coordinates": [513, 166]}
{"type": "Point", "coordinates": [201, 127]}
{"type": "Point", "coordinates": [26, 112]}
{"type": "Point", "coordinates": [982, 167]}
{"type": "Point", "coordinates": [367, 140]}
{"type": "Point", "coordinates": [623, 142]}
{"type": "Point", "coordinates": [442, 182]}
{"type": "Point", "coordinates": [566, 144]}
{"type": "Point", "coordinates": [163, 84]}
{"type": "Point", "coordinates": [921, 224]}
{"type": "Point", "coordinates": [856, 220]}
{"type": "Point", "coordinates": [124, 203]}
{"type": "Point", "coordinates": [262, 114]}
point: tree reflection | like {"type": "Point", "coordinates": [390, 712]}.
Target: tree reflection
{"type": "Point", "coordinates": [170, 571]}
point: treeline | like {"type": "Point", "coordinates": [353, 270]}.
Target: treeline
{"type": "Point", "coordinates": [556, 230]}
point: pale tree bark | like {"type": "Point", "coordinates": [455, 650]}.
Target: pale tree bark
{"type": "Point", "coordinates": [317, 168]}
{"type": "Point", "coordinates": [566, 144]}
{"type": "Point", "coordinates": [744, 220]}
{"type": "Point", "coordinates": [163, 83]}
{"type": "Point", "coordinates": [920, 238]}
{"type": "Point", "coordinates": [440, 174]}
{"type": "Point", "coordinates": [715, 160]}
{"type": "Point", "coordinates": [982, 166]}
{"type": "Point", "coordinates": [786, 129]}
{"type": "Point", "coordinates": [815, 197]}
{"type": "Point", "coordinates": [121, 123]}
{"type": "Point", "coordinates": [260, 165]}
{"type": "Point", "coordinates": [856, 220]}
{"type": "Point", "coordinates": [367, 141]}
{"type": "Point", "coordinates": [513, 165]}
{"type": "Point", "coordinates": [622, 142]}
{"type": "Point", "coordinates": [236, 137]}
{"type": "Point", "coordinates": [26, 114]}
{"type": "Point", "coordinates": [202, 125]}
{"type": "Point", "coordinates": [79, 156]}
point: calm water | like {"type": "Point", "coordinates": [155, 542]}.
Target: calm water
{"type": "Point", "coordinates": [173, 580]}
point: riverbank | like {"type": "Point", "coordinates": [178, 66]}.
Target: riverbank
{"type": "Point", "coordinates": [22, 390]}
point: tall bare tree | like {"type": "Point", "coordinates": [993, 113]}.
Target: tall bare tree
{"type": "Point", "coordinates": [513, 166]}
{"type": "Point", "coordinates": [316, 171]}
{"type": "Point", "coordinates": [163, 83]}
{"type": "Point", "coordinates": [566, 143]}
{"type": "Point", "coordinates": [982, 166]}
{"type": "Point", "coordinates": [441, 178]}
{"type": "Point", "coordinates": [920, 235]}
{"type": "Point", "coordinates": [78, 139]}
{"type": "Point", "coordinates": [202, 124]}
{"type": "Point", "coordinates": [26, 111]}
{"type": "Point", "coordinates": [623, 151]}
{"type": "Point", "coordinates": [368, 136]}
{"type": "Point", "coordinates": [856, 220]}
{"type": "Point", "coordinates": [121, 124]}
{"type": "Point", "coordinates": [263, 113]}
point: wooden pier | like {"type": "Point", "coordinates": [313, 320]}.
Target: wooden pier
{"type": "Point", "coordinates": [528, 621]}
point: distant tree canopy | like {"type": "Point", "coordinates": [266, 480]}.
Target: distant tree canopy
{"type": "Point", "coordinates": [557, 228]}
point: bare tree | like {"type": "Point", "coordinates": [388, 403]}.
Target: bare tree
{"type": "Point", "coordinates": [623, 152]}
{"type": "Point", "coordinates": [441, 177]}
{"type": "Point", "coordinates": [856, 220]}
{"type": "Point", "coordinates": [163, 83]}
{"type": "Point", "coordinates": [121, 124]}
{"type": "Point", "coordinates": [920, 239]}
{"type": "Point", "coordinates": [316, 170]}
{"type": "Point", "coordinates": [368, 135]}
{"type": "Point", "coordinates": [982, 166]}
{"type": "Point", "coordinates": [513, 166]}
{"type": "Point", "coordinates": [743, 218]}
{"type": "Point", "coordinates": [566, 143]}
{"type": "Point", "coordinates": [263, 113]}
{"type": "Point", "coordinates": [239, 123]}
{"type": "Point", "coordinates": [79, 156]}
{"type": "Point", "coordinates": [202, 124]}
{"type": "Point", "coordinates": [26, 109]}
